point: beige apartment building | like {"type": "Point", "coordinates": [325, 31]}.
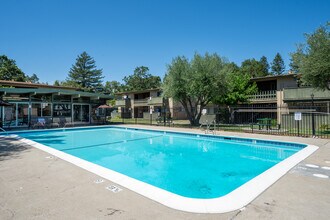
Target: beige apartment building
{"type": "Point", "coordinates": [142, 104]}
{"type": "Point", "coordinates": [277, 96]}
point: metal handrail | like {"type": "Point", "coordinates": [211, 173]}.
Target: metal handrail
{"type": "Point", "coordinates": [208, 127]}
{"type": "Point", "coordinates": [3, 130]}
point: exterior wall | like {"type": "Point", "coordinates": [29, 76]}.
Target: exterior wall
{"type": "Point", "coordinates": [283, 106]}
{"type": "Point", "coordinates": [287, 82]}
{"type": "Point", "coordinates": [153, 93]}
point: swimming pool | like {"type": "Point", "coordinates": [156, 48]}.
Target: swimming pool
{"type": "Point", "coordinates": [172, 167]}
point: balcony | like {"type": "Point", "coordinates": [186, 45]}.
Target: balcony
{"type": "Point", "coordinates": [301, 94]}
{"type": "Point", "coordinates": [122, 102]}
{"type": "Point", "coordinates": [264, 96]}
{"type": "Point", "coordinates": [155, 101]}
{"type": "Point", "coordinates": [141, 102]}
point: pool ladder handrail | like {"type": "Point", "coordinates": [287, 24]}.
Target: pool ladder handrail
{"type": "Point", "coordinates": [4, 130]}
{"type": "Point", "coordinates": [208, 127]}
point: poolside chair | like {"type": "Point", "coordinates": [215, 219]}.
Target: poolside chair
{"type": "Point", "coordinates": [51, 124]}
{"type": "Point", "coordinates": [38, 122]}
{"type": "Point", "coordinates": [7, 123]}
{"type": "Point", "coordinates": [64, 123]}
{"type": "Point", "coordinates": [169, 122]}
{"type": "Point", "coordinates": [159, 120]}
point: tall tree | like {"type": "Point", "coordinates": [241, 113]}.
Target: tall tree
{"type": "Point", "coordinates": [264, 66]}
{"type": "Point", "coordinates": [313, 58]}
{"type": "Point", "coordinates": [194, 84]}
{"type": "Point", "coordinates": [84, 72]}
{"type": "Point", "coordinates": [141, 80]}
{"type": "Point", "coordinates": [278, 66]}
{"type": "Point", "coordinates": [10, 71]}
{"type": "Point", "coordinates": [296, 59]}
{"type": "Point", "coordinates": [253, 68]}
{"type": "Point", "coordinates": [113, 87]}
{"type": "Point", "coordinates": [238, 85]}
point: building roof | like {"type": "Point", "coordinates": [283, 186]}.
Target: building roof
{"type": "Point", "coordinates": [138, 91]}
{"type": "Point", "coordinates": [35, 88]}
{"type": "Point", "coordinates": [32, 85]}
{"type": "Point", "coordinates": [274, 77]}
{"type": "Point", "coordinates": [35, 91]}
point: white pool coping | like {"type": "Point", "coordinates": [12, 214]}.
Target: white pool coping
{"type": "Point", "coordinates": [234, 200]}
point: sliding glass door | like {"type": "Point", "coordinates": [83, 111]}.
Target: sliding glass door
{"type": "Point", "coordinates": [81, 113]}
{"type": "Point", "coordinates": [22, 118]}
{"type": "Point", "coordinates": [16, 115]}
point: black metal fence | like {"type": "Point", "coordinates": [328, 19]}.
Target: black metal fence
{"type": "Point", "coordinates": [284, 120]}
{"type": "Point", "coordinates": [288, 120]}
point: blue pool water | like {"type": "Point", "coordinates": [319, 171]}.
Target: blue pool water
{"type": "Point", "coordinates": [190, 165]}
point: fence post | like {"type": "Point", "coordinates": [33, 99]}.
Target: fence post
{"type": "Point", "coordinates": [313, 123]}
{"type": "Point", "coordinates": [298, 127]}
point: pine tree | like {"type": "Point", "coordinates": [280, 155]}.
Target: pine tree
{"type": "Point", "coordinates": [84, 72]}
{"type": "Point", "coordinates": [278, 66]}
{"type": "Point", "coordinates": [265, 66]}
{"type": "Point", "coordinates": [10, 71]}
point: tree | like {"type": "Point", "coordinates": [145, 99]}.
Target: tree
{"type": "Point", "coordinates": [68, 84]}
{"type": "Point", "coordinates": [57, 83]}
{"type": "Point", "coordinates": [10, 71]}
{"type": "Point", "coordinates": [254, 68]}
{"type": "Point", "coordinates": [84, 73]}
{"type": "Point", "coordinates": [278, 66]}
{"type": "Point", "coordinates": [194, 84]}
{"type": "Point", "coordinates": [239, 87]}
{"type": "Point", "coordinates": [113, 87]}
{"type": "Point", "coordinates": [33, 79]}
{"type": "Point", "coordinates": [312, 59]}
{"type": "Point", "coordinates": [141, 80]}
{"type": "Point", "coordinates": [264, 66]}
{"type": "Point", "coordinates": [297, 59]}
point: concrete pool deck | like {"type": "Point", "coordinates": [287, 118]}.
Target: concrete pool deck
{"type": "Point", "coordinates": [36, 186]}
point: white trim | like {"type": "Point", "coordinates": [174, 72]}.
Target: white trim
{"type": "Point", "coordinates": [234, 200]}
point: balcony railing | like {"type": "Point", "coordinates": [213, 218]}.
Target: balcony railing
{"type": "Point", "coordinates": [155, 101]}
{"type": "Point", "coordinates": [141, 101]}
{"type": "Point", "coordinates": [121, 102]}
{"type": "Point", "coordinates": [305, 94]}
{"type": "Point", "coordinates": [263, 96]}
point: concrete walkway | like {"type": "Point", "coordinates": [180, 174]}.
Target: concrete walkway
{"type": "Point", "coordinates": [35, 185]}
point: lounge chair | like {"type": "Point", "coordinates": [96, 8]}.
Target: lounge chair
{"type": "Point", "coordinates": [7, 123]}
{"type": "Point", "coordinates": [51, 124]}
{"type": "Point", "coordinates": [38, 122]}
{"type": "Point", "coordinates": [64, 123]}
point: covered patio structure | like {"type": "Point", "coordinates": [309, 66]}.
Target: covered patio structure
{"type": "Point", "coordinates": [53, 103]}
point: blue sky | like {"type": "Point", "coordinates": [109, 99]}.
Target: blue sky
{"type": "Point", "coordinates": [45, 37]}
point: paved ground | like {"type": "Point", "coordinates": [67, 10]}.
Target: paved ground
{"type": "Point", "coordinates": [34, 186]}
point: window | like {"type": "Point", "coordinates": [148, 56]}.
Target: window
{"type": "Point", "coordinates": [62, 110]}
{"type": "Point", "coordinates": [41, 109]}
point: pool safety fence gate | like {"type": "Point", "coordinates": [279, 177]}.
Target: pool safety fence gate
{"type": "Point", "coordinates": [302, 120]}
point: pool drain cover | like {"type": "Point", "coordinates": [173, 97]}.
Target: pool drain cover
{"type": "Point", "coordinates": [98, 181]}
{"type": "Point", "coordinates": [113, 188]}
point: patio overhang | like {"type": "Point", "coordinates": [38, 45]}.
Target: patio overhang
{"type": "Point", "coordinates": [35, 91]}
